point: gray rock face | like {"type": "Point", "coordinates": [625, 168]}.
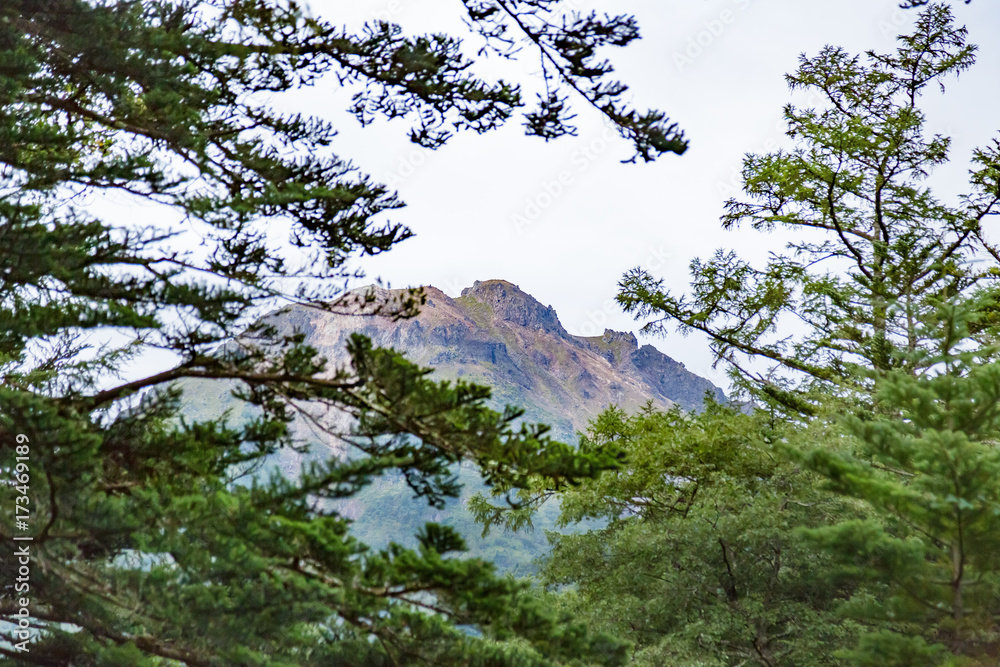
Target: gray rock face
{"type": "Point", "coordinates": [667, 375]}
{"type": "Point", "coordinates": [511, 305]}
{"type": "Point", "coordinates": [498, 335]}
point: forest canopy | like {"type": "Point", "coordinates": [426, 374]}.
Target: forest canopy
{"type": "Point", "coordinates": [846, 512]}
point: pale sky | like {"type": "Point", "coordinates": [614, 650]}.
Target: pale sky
{"type": "Point", "coordinates": [565, 219]}
{"type": "Point", "coordinates": [717, 68]}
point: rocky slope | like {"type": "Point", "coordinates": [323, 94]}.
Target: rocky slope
{"type": "Point", "coordinates": [496, 334]}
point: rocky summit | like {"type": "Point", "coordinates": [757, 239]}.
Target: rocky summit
{"type": "Point", "coordinates": [497, 335]}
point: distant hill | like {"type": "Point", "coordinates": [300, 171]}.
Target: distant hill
{"type": "Point", "coordinates": [497, 335]}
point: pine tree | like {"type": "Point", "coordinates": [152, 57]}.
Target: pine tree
{"type": "Point", "coordinates": [931, 468]}
{"type": "Point", "coordinates": [162, 541]}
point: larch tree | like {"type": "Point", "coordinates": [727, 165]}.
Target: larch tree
{"type": "Point", "coordinates": [874, 248]}
{"type": "Point", "coordinates": [896, 345]}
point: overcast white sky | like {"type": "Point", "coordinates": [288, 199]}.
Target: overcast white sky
{"type": "Point", "coordinates": [716, 67]}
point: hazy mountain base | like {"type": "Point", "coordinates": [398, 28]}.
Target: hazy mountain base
{"type": "Point", "coordinates": [386, 511]}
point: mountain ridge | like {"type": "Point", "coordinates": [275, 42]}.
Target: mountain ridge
{"type": "Point", "coordinates": [496, 334]}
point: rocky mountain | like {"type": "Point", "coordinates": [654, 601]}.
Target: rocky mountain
{"type": "Point", "coordinates": [498, 335]}
{"type": "Point", "coordinates": [493, 334]}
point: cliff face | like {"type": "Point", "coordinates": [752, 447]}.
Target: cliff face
{"type": "Point", "coordinates": [496, 334]}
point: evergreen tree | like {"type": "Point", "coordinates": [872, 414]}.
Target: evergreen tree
{"type": "Point", "coordinates": [874, 248]}
{"type": "Point", "coordinates": [895, 291]}
{"type": "Point", "coordinates": [698, 563]}
{"type": "Point", "coordinates": [931, 468]}
{"type": "Point", "coordinates": [159, 541]}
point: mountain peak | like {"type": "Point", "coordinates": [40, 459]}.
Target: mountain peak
{"type": "Point", "coordinates": [481, 286]}
{"type": "Point", "coordinates": [497, 335]}
{"type": "Point", "coordinates": [626, 337]}
{"type": "Point", "coordinates": [510, 303]}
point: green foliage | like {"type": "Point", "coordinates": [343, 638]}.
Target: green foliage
{"type": "Point", "coordinates": [932, 470]}
{"type": "Point", "coordinates": [887, 397]}
{"type": "Point", "coordinates": [567, 46]}
{"type": "Point", "coordinates": [160, 540]}
{"type": "Point", "coordinates": [698, 563]}
{"type": "Point", "coordinates": [873, 248]}
{"type": "Point", "coordinates": [147, 539]}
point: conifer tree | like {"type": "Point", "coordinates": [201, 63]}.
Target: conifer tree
{"type": "Point", "coordinates": [930, 466]}
{"type": "Point", "coordinates": [897, 354]}
{"type": "Point", "coordinates": [874, 248]}
{"type": "Point", "coordinates": [697, 561]}
{"type": "Point", "coordinates": [158, 541]}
